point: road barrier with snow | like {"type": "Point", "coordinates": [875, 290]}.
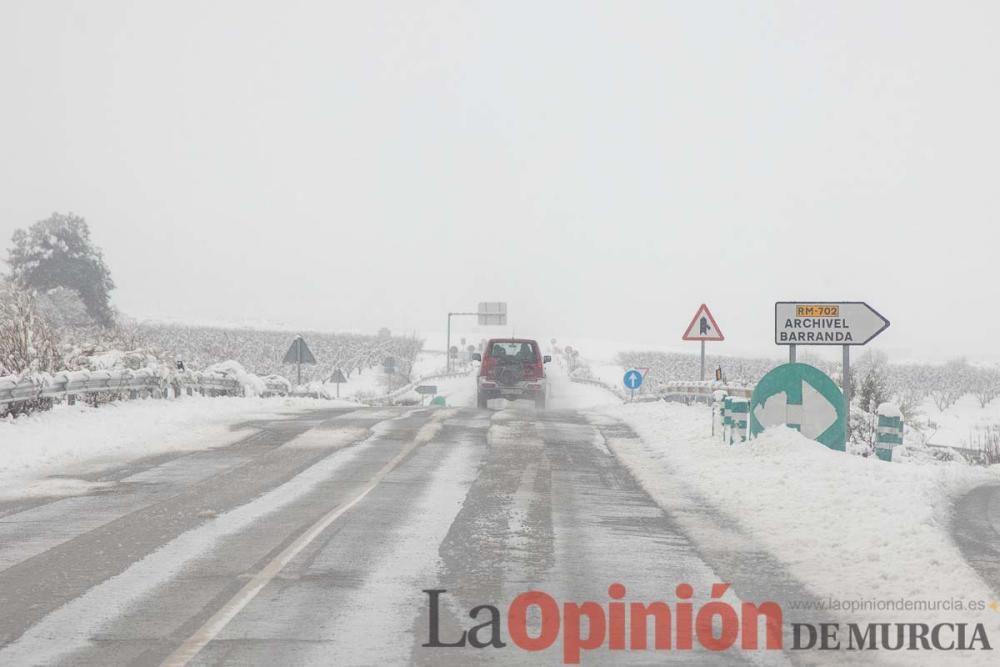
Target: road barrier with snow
{"type": "Point", "coordinates": [676, 390]}
{"type": "Point", "coordinates": [390, 397]}
{"type": "Point", "coordinates": [701, 390]}
{"type": "Point", "coordinates": [138, 383]}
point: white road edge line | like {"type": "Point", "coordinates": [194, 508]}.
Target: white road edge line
{"type": "Point", "coordinates": [193, 645]}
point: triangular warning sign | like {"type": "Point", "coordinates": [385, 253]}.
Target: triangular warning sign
{"type": "Point", "coordinates": [299, 353]}
{"type": "Point", "coordinates": [703, 326]}
{"type": "Point", "coordinates": [338, 376]}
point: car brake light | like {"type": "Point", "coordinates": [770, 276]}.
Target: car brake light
{"type": "Point", "coordinates": [489, 363]}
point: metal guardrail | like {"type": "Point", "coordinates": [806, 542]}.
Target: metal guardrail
{"type": "Point", "coordinates": [71, 384]}
{"type": "Point", "coordinates": [384, 399]}
{"type": "Point", "coordinates": [599, 383]}
{"type": "Point", "coordinates": [701, 389]}
{"type": "Point", "coordinates": [390, 397]}
{"type": "Point", "coordinates": [674, 390]}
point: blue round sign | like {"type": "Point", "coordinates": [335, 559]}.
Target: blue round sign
{"type": "Point", "coordinates": [633, 379]}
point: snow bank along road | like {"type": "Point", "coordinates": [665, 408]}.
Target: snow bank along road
{"type": "Point", "coordinates": [312, 541]}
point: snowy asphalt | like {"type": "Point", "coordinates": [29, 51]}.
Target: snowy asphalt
{"type": "Point", "coordinates": [976, 529]}
{"type": "Point", "coordinates": [311, 541]}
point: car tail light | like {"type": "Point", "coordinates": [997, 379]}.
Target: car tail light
{"type": "Point", "coordinates": [488, 366]}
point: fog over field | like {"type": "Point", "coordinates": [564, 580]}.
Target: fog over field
{"type": "Point", "coordinates": [602, 168]}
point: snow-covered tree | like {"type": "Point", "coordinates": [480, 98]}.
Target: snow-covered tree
{"type": "Point", "coordinates": [986, 385]}
{"type": "Point", "coordinates": [63, 309]}
{"type": "Point", "coordinates": [874, 389]}
{"type": "Point", "coordinates": [58, 252]}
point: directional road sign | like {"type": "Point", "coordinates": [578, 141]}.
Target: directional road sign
{"type": "Point", "coordinates": [826, 323]}
{"type": "Point", "coordinates": [703, 326]}
{"type": "Point", "coordinates": [633, 379]}
{"type": "Point", "coordinates": [429, 389]}
{"type": "Point", "coordinates": [804, 398]}
{"type": "Point", "coordinates": [492, 313]}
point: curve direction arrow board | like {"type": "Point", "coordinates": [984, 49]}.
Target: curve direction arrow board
{"type": "Point", "coordinates": [804, 398]}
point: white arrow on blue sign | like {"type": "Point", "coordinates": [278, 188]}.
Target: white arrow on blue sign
{"type": "Point", "coordinates": [633, 379]}
{"type": "Point", "coordinates": [804, 398]}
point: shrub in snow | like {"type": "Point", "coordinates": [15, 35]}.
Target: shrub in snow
{"type": "Point", "coordinates": [874, 389]}
{"type": "Point", "coordinates": [863, 429]}
{"type": "Point", "coordinates": [251, 384]}
{"type": "Point", "coordinates": [27, 342]}
{"type": "Point", "coordinates": [920, 453]}
{"type": "Point", "coordinates": [986, 442]}
{"type": "Point", "coordinates": [117, 359]}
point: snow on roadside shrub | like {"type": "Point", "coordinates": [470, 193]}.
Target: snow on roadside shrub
{"type": "Point", "coordinates": [252, 384]}
{"type": "Point", "coordinates": [279, 380]}
{"type": "Point", "coordinates": [27, 342]}
{"type": "Point", "coordinates": [115, 359]}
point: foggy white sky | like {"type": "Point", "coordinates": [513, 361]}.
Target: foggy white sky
{"type": "Point", "coordinates": [603, 167]}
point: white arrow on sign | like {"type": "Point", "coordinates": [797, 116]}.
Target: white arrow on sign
{"type": "Point", "coordinates": [773, 411]}
{"type": "Point", "coordinates": [814, 416]}
{"type": "Point", "coordinates": [818, 414]}
{"type": "Point", "coordinates": [826, 323]}
{"type": "Point", "coordinates": [633, 379]}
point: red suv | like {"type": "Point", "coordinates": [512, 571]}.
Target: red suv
{"type": "Point", "coordinates": [511, 368]}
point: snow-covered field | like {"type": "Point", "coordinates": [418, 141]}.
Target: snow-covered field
{"type": "Point", "coordinates": [958, 425]}
{"type": "Point", "coordinates": [42, 452]}
{"type": "Point", "coordinates": [847, 526]}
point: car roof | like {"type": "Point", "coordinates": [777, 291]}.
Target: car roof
{"type": "Point", "coordinates": [512, 340]}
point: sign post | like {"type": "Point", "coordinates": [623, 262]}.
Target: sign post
{"type": "Point", "coordinates": [299, 354]}
{"type": "Point", "coordinates": [703, 327]}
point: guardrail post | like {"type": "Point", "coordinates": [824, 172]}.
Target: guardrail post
{"type": "Point", "coordinates": [741, 413]}
{"type": "Point", "coordinates": [889, 431]}
{"type": "Point", "coordinates": [727, 419]}
{"type": "Point", "coordinates": [717, 397]}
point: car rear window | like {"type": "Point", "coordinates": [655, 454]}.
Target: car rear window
{"type": "Point", "coordinates": [518, 350]}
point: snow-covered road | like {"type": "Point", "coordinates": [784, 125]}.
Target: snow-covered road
{"type": "Point", "coordinates": [309, 535]}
